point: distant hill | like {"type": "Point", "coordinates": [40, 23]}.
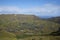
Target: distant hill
{"type": "Point", "coordinates": [55, 19]}
{"type": "Point", "coordinates": [44, 17]}
{"type": "Point", "coordinates": [20, 24]}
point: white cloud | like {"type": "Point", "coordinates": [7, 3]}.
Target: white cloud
{"type": "Point", "coordinates": [47, 9]}
{"type": "Point", "coordinates": [9, 8]}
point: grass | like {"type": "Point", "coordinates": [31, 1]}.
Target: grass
{"type": "Point", "coordinates": [42, 38]}
{"type": "Point", "coordinates": [27, 23]}
{"type": "Point", "coordinates": [7, 36]}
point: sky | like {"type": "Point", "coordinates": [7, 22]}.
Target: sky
{"type": "Point", "coordinates": [34, 7]}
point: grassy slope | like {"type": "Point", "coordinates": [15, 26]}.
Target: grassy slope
{"type": "Point", "coordinates": [42, 38]}
{"type": "Point", "coordinates": [55, 19]}
{"type": "Point", "coordinates": [28, 23]}
{"type": "Point", "coordinates": [7, 36]}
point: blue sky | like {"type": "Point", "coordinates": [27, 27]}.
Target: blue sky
{"type": "Point", "coordinates": [36, 7]}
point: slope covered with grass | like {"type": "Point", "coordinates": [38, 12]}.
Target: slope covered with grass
{"type": "Point", "coordinates": [55, 19]}
{"type": "Point", "coordinates": [7, 36]}
{"type": "Point", "coordinates": [26, 25]}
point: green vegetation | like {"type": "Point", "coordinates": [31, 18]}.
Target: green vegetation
{"type": "Point", "coordinates": [42, 38]}
{"type": "Point", "coordinates": [7, 36]}
{"type": "Point", "coordinates": [24, 26]}
{"type": "Point", "coordinates": [55, 19]}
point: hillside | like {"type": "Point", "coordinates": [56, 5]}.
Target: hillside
{"type": "Point", "coordinates": [24, 25]}
{"type": "Point", "coordinates": [55, 19]}
{"type": "Point", "coordinates": [7, 36]}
